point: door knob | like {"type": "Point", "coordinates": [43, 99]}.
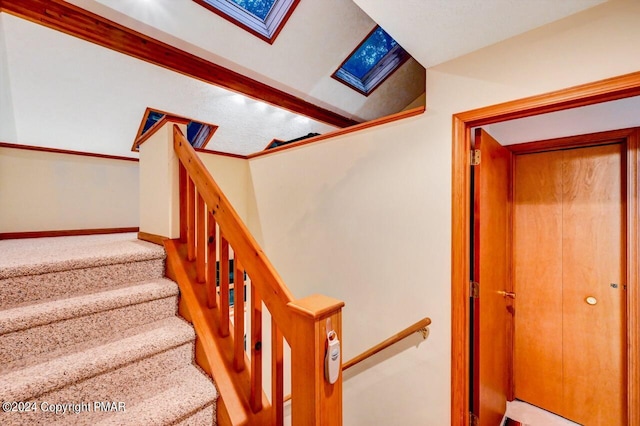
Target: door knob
{"type": "Point", "coordinates": [507, 294]}
{"type": "Point", "coordinates": [591, 300]}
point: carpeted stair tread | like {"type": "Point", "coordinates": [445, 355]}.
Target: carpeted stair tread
{"type": "Point", "coordinates": [35, 380]}
{"type": "Point", "coordinates": [89, 319]}
{"type": "Point", "coordinates": [105, 339]}
{"type": "Point", "coordinates": [28, 289]}
{"type": "Point", "coordinates": [24, 317]}
{"type": "Point", "coordinates": [191, 392]}
{"type": "Point", "coordinates": [130, 384]}
{"type": "Point", "coordinates": [22, 257]}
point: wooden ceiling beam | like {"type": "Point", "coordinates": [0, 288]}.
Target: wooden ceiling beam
{"type": "Point", "coordinates": [78, 22]}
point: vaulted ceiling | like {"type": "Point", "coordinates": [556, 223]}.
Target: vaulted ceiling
{"type": "Point", "coordinates": [72, 94]}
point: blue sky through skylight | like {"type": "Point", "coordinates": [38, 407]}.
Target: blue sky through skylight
{"type": "Point", "coordinates": [152, 118]}
{"type": "Point", "coordinates": [259, 8]}
{"type": "Point", "coordinates": [374, 48]}
{"type": "Point", "coordinates": [375, 59]}
{"type": "Point", "coordinates": [198, 134]}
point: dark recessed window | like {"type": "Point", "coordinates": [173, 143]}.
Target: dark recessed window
{"type": "Point", "coordinates": [263, 18]}
{"type": "Point", "coordinates": [198, 134]}
{"type": "Point", "coordinates": [375, 59]}
{"type": "Point", "coordinates": [152, 118]}
{"type": "Point", "coordinates": [278, 142]}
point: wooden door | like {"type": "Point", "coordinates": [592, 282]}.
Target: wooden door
{"type": "Point", "coordinates": [491, 317]}
{"type": "Point", "coordinates": [537, 243]}
{"type": "Point", "coordinates": [570, 246]}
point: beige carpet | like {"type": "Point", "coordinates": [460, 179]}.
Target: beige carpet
{"type": "Point", "coordinates": [87, 321]}
{"type": "Point", "coordinates": [42, 255]}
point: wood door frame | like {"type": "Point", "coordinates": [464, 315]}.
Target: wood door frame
{"type": "Point", "coordinates": [605, 90]}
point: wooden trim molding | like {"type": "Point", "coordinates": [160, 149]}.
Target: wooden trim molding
{"type": "Point", "coordinates": [224, 154]}
{"type": "Point", "coordinates": [75, 21]}
{"type": "Point", "coordinates": [587, 94]}
{"type": "Point", "coordinates": [65, 151]}
{"type": "Point", "coordinates": [65, 233]}
{"type": "Point", "coordinates": [633, 277]}
{"type": "Point", "coordinates": [340, 132]}
{"type": "Point", "coordinates": [599, 138]}
{"type": "Point", "coordinates": [152, 238]}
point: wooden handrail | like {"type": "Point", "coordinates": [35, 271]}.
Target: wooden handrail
{"type": "Point", "coordinates": [212, 233]}
{"type": "Point", "coordinates": [419, 326]}
{"type": "Point", "coordinates": [239, 237]}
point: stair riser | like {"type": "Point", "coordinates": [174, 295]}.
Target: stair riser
{"type": "Point", "coordinates": [55, 336]}
{"type": "Point", "coordinates": [122, 384]}
{"type": "Point", "coordinates": [204, 417]}
{"type": "Point", "coordinates": [18, 290]}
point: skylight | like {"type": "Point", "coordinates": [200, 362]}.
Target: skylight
{"type": "Point", "coordinates": [198, 134]}
{"type": "Point", "coordinates": [373, 61]}
{"type": "Point", "coordinates": [259, 8]}
{"type": "Point", "coordinates": [263, 18]}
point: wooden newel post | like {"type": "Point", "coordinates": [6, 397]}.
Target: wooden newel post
{"type": "Point", "coordinates": [314, 401]}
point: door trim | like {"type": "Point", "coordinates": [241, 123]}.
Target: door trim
{"type": "Point", "coordinates": [601, 91]}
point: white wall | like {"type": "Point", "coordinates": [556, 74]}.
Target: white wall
{"type": "Point", "coordinates": [7, 122]}
{"type": "Point", "coordinates": [366, 217]}
{"type": "Point", "coordinates": [41, 191]}
{"type": "Point", "coordinates": [159, 199]}
{"type": "Point", "coordinates": [233, 177]}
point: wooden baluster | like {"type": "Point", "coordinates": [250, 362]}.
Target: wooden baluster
{"type": "Point", "coordinates": [277, 375]}
{"type": "Point", "coordinates": [255, 399]}
{"type": "Point", "coordinates": [212, 261]}
{"type": "Point", "coordinates": [191, 226]}
{"type": "Point", "coordinates": [182, 183]}
{"type": "Point", "coordinates": [238, 315]}
{"type": "Point", "coordinates": [200, 239]}
{"type": "Point", "coordinates": [224, 286]}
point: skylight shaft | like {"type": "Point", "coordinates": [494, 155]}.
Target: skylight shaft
{"type": "Point", "coordinates": [372, 61]}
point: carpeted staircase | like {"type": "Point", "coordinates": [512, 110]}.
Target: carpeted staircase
{"type": "Point", "coordinates": [88, 325]}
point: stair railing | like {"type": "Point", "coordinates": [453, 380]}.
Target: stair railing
{"type": "Point", "coordinates": [212, 231]}
{"type": "Point", "coordinates": [418, 327]}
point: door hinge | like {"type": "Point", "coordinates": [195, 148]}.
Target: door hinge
{"type": "Point", "coordinates": [475, 157]}
{"type": "Point", "coordinates": [473, 420]}
{"type": "Point", "coordinates": [475, 289]}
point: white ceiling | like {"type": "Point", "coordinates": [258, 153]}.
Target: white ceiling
{"type": "Point", "coordinates": [436, 31]}
{"type": "Point", "coordinates": [600, 117]}
{"type": "Point", "coordinates": [85, 97]}
{"type": "Point", "coordinates": [70, 94]}
{"type": "Point", "coordinates": [318, 36]}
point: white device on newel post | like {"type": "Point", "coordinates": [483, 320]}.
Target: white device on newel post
{"type": "Point", "coordinates": [332, 358]}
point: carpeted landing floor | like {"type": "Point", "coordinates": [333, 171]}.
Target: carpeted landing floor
{"type": "Point", "coordinates": [89, 335]}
